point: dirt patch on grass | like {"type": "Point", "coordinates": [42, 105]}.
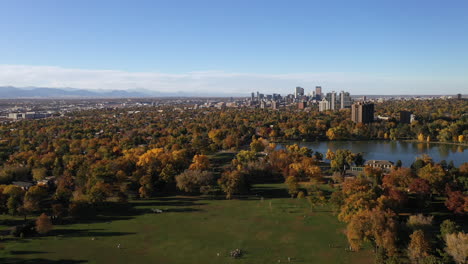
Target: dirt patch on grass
{"type": "Point", "coordinates": [362, 257]}
{"type": "Point", "coordinates": [287, 238]}
{"type": "Point", "coordinates": [263, 235]}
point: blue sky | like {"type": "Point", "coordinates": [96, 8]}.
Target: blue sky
{"type": "Point", "coordinates": [365, 47]}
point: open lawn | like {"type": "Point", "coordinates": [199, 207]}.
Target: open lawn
{"type": "Point", "coordinates": [193, 230]}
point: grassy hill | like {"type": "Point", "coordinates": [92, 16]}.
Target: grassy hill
{"type": "Point", "coordinates": [194, 230]}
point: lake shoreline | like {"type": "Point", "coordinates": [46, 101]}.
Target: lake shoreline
{"type": "Point", "coordinates": [435, 142]}
{"type": "Point", "coordinates": [405, 150]}
{"type": "Point", "coordinates": [374, 139]}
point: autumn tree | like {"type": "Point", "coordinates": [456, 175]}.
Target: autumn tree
{"type": "Point", "coordinates": [168, 173]}
{"type": "Point", "coordinates": [336, 200]}
{"type": "Point", "coordinates": [435, 175]}
{"type": "Point", "coordinates": [376, 226]}
{"type": "Point", "coordinates": [39, 173]}
{"type": "Point", "coordinates": [200, 162]}
{"type": "Point", "coordinates": [43, 224]}
{"type": "Point", "coordinates": [457, 246]}
{"type": "Point", "coordinates": [194, 181]}
{"type": "Point", "coordinates": [258, 145]}
{"type": "Point", "coordinates": [374, 174]}
{"type": "Point", "coordinates": [15, 196]}
{"type": "Point", "coordinates": [330, 155]}
{"type": "Point", "coordinates": [306, 170]}
{"type": "Point", "coordinates": [58, 210]}
{"type": "Point", "coordinates": [400, 178]}
{"type": "Point", "coordinates": [315, 174]}
{"type": "Point", "coordinates": [293, 185]}
{"type": "Point", "coordinates": [419, 246]}
{"type": "Point", "coordinates": [152, 163]}
{"type": "Point", "coordinates": [457, 202]}
{"type": "Point", "coordinates": [147, 188]}
{"type": "Point", "coordinates": [244, 157]}
{"type": "Point", "coordinates": [420, 187]}
{"type": "Point", "coordinates": [337, 133]}
{"type": "Point", "coordinates": [359, 196]}
{"type": "Point", "coordinates": [234, 182]}
{"type": "Point", "coordinates": [315, 198]}
{"type": "Point", "coordinates": [100, 192]}
{"type": "Point", "coordinates": [34, 197]}
{"type": "Point", "coordinates": [393, 198]}
{"type": "Point", "coordinates": [419, 222]}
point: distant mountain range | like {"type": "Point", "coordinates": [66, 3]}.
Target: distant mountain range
{"type": "Point", "coordinates": [10, 92]}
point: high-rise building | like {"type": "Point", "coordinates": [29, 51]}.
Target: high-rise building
{"type": "Point", "coordinates": [459, 96]}
{"type": "Point", "coordinates": [318, 92]}
{"type": "Point", "coordinates": [331, 98]}
{"type": "Point", "coordinates": [345, 100]}
{"type": "Point", "coordinates": [301, 105]}
{"type": "Point", "coordinates": [252, 97]}
{"type": "Point", "coordinates": [274, 105]}
{"type": "Point", "coordinates": [405, 117]}
{"type": "Point", "coordinates": [299, 92]}
{"type": "Point", "coordinates": [362, 112]}
{"type": "Point", "coordinates": [324, 105]}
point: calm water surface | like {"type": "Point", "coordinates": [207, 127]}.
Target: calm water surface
{"type": "Point", "coordinates": [392, 150]}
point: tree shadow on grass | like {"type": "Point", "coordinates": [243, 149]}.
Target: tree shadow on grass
{"type": "Point", "coordinates": [97, 219]}
{"type": "Point", "coordinates": [26, 252]}
{"type": "Point", "coordinates": [182, 210]}
{"type": "Point", "coordinates": [39, 261]}
{"type": "Point", "coordinates": [12, 222]}
{"type": "Point", "coordinates": [270, 192]}
{"type": "Point", "coordinates": [157, 203]}
{"type": "Point", "coordinates": [86, 233]}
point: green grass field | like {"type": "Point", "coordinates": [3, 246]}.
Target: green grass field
{"type": "Point", "coordinates": [194, 230]}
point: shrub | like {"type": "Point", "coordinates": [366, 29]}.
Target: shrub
{"type": "Point", "coordinates": [194, 181]}
{"type": "Point", "coordinates": [419, 221]}
{"type": "Point", "coordinates": [43, 224]}
{"type": "Point", "coordinates": [24, 230]}
{"type": "Point", "coordinates": [457, 246]}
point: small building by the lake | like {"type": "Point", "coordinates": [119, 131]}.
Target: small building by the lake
{"type": "Point", "coordinates": [382, 164]}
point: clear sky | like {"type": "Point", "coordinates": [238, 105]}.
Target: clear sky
{"type": "Point", "coordinates": [365, 47]}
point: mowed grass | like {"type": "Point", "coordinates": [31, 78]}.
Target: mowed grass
{"type": "Point", "coordinates": [193, 230]}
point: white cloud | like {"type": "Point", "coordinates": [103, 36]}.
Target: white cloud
{"type": "Point", "coordinates": [226, 82]}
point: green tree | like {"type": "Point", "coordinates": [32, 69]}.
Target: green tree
{"type": "Point", "coordinates": [342, 160]}
{"type": "Point", "coordinates": [448, 227]}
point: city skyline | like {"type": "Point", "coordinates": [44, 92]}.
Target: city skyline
{"type": "Point", "coordinates": [365, 47]}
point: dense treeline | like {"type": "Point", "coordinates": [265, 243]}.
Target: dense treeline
{"type": "Point", "coordinates": [90, 157]}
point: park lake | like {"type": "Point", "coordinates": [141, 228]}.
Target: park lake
{"type": "Point", "coordinates": [406, 151]}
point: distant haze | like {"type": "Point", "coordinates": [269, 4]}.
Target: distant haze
{"type": "Point", "coordinates": [225, 83]}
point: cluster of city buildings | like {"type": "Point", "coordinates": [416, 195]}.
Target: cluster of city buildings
{"type": "Point", "coordinates": [362, 109]}
{"type": "Point", "coordinates": [325, 102]}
